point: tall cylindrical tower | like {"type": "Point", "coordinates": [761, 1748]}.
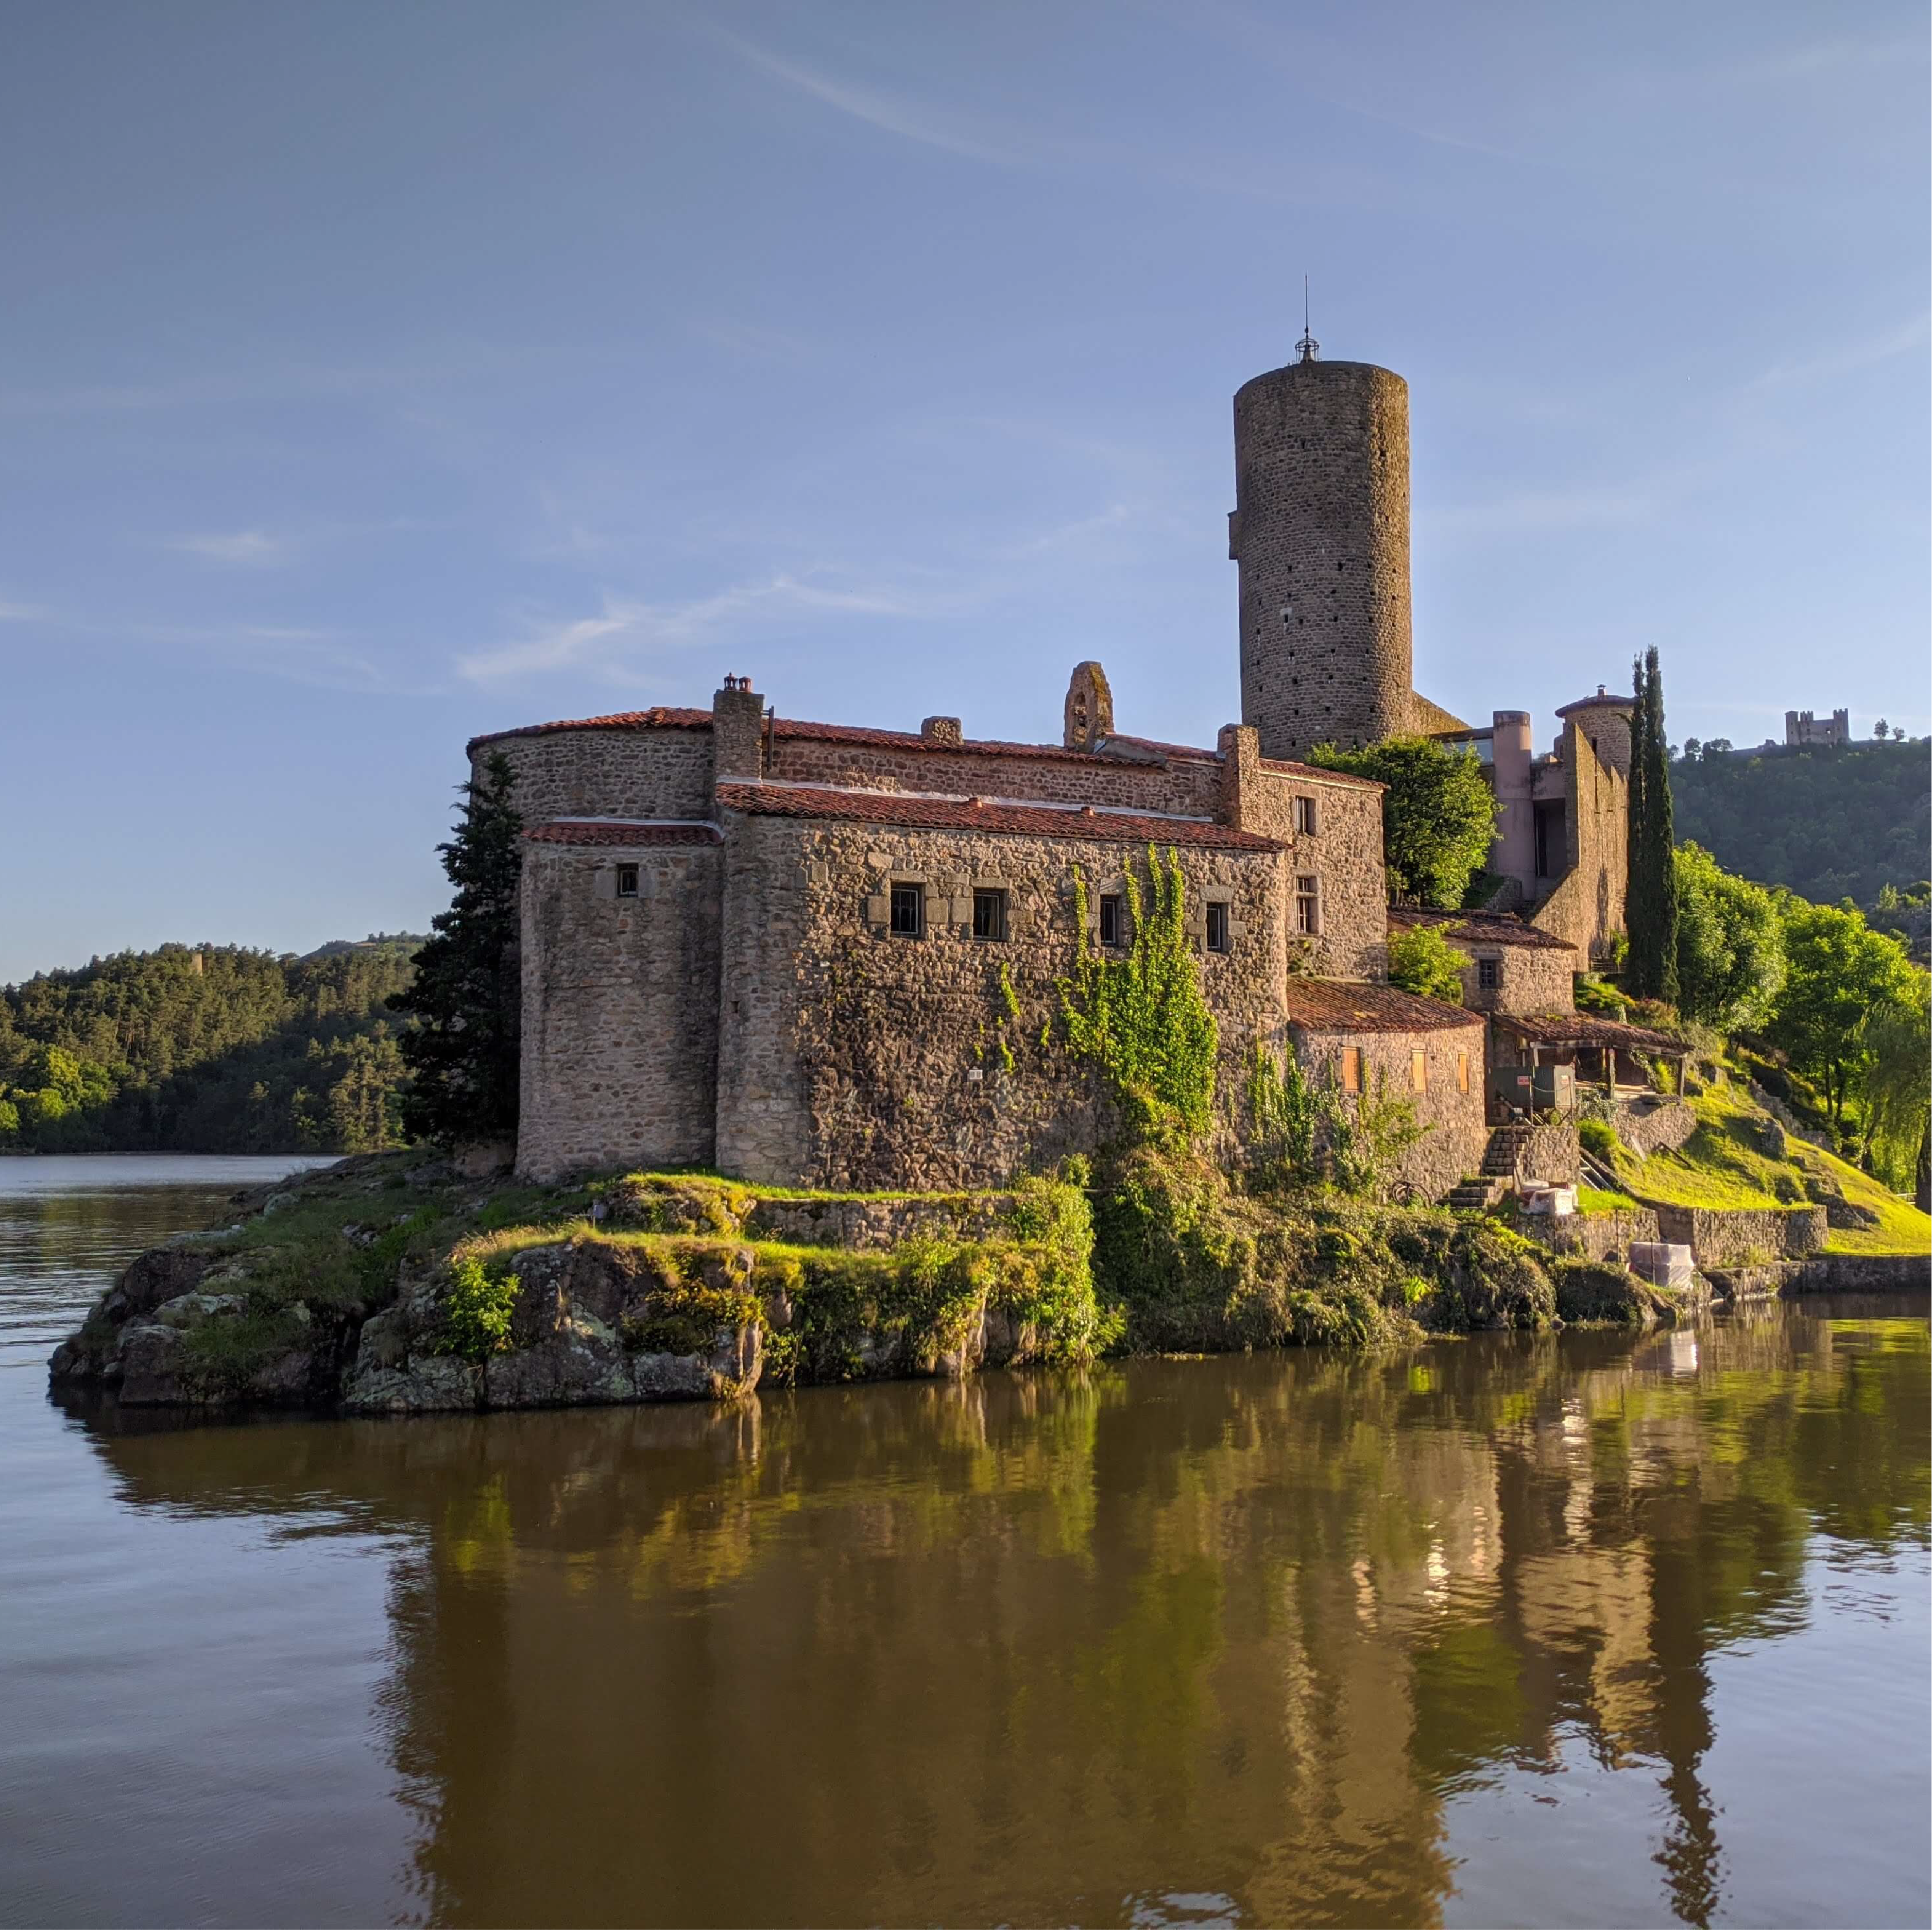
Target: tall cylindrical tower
{"type": "Point", "coordinates": [1320, 530]}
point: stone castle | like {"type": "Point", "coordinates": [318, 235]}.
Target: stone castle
{"type": "Point", "coordinates": [826, 955]}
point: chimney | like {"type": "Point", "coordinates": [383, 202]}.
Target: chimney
{"type": "Point", "coordinates": [737, 732]}
{"type": "Point", "coordinates": [942, 730]}
{"type": "Point", "coordinates": [1239, 745]}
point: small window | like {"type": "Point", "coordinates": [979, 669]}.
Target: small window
{"type": "Point", "coordinates": [1304, 817]}
{"type": "Point", "coordinates": [1489, 974]}
{"type": "Point", "coordinates": [1352, 1068]}
{"type": "Point", "coordinates": [1462, 1072]}
{"type": "Point", "coordinates": [1307, 905]}
{"type": "Point", "coordinates": [1217, 927]}
{"type": "Point", "coordinates": [989, 914]}
{"type": "Point", "coordinates": [1113, 919]}
{"type": "Point", "coordinates": [908, 910]}
{"type": "Point", "coordinates": [627, 880]}
{"type": "Point", "coordinates": [1418, 1071]}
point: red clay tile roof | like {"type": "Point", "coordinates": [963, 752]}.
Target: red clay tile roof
{"type": "Point", "coordinates": [1581, 1028]}
{"type": "Point", "coordinates": [1287, 767]}
{"type": "Point", "coordinates": [918, 811]}
{"type": "Point", "coordinates": [1481, 928]}
{"type": "Point", "coordinates": [1340, 1005]}
{"type": "Point", "coordinates": [1601, 701]}
{"type": "Point", "coordinates": [611, 831]}
{"type": "Point", "coordinates": [669, 717]}
{"type": "Point", "coordinates": [661, 717]}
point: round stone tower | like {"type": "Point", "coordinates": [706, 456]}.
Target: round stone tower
{"type": "Point", "coordinates": [1320, 530]}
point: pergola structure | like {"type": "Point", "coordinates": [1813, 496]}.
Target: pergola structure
{"type": "Point", "coordinates": [1602, 1051]}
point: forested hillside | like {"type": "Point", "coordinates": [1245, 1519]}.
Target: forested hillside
{"type": "Point", "coordinates": [1828, 823]}
{"type": "Point", "coordinates": [207, 1049]}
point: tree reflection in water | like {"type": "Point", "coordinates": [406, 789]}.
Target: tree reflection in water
{"type": "Point", "coordinates": [1167, 1638]}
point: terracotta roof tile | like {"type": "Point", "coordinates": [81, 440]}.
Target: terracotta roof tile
{"type": "Point", "coordinates": [1582, 1028]}
{"type": "Point", "coordinates": [1287, 767]}
{"type": "Point", "coordinates": [1493, 927]}
{"type": "Point", "coordinates": [661, 717]}
{"type": "Point", "coordinates": [613, 831]}
{"type": "Point", "coordinates": [1340, 1005]}
{"type": "Point", "coordinates": [919, 811]}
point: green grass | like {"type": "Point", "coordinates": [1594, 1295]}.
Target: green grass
{"type": "Point", "coordinates": [1721, 1166]}
{"type": "Point", "coordinates": [1596, 1199]}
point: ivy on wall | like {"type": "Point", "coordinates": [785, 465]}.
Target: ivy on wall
{"type": "Point", "coordinates": [1140, 1015]}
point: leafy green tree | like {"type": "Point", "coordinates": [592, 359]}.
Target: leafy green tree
{"type": "Point", "coordinates": [1141, 1017]}
{"type": "Point", "coordinates": [1827, 822]}
{"type": "Point", "coordinates": [461, 1053]}
{"type": "Point", "coordinates": [1840, 975]}
{"type": "Point", "coordinates": [1898, 1093]}
{"type": "Point", "coordinates": [1421, 960]}
{"type": "Point", "coordinates": [1439, 814]}
{"type": "Point", "coordinates": [1730, 945]}
{"type": "Point", "coordinates": [1651, 902]}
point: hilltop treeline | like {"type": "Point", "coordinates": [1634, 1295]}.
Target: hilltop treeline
{"type": "Point", "coordinates": [1828, 823]}
{"type": "Point", "coordinates": [209, 1049]}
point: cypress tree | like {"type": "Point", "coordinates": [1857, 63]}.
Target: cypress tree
{"type": "Point", "coordinates": [462, 1051]}
{"type": "Point", "coordinates": [1651, 907]}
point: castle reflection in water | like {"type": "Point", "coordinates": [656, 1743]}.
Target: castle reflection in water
{"type": "Point", "coordinates": [1241, 1631]}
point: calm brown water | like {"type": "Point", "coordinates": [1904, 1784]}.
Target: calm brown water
{"type": "Point", "coordinates": [1581, 1630]}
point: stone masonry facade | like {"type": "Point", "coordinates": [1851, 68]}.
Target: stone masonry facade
{"type": "Point", "coordinates": [830, 955]}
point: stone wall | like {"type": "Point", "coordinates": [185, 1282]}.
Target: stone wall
{"type": "Point", "coordinates": [1550, 1150]}
{"type": "Point", "coordinates": [620, 1008]}
{"type": "Point", "coordinates": [1595, 1236]}
{"type": "Point", "coordinates": [1585, 909]}
{"type": "Point", "coordinates": [868, 1225]}
{"type": "Point", "coordinates": [623, 771]}
{"type": "Point", "coordinates": [1721, 1238]}
{"type": "Point", "coordinates": [1457, 1137]}
{"type": "Point", "coordinates": [1534, 978]}
{"type": "Point", "coordinates": [1343, 854]}
{"type": "Point", "coordinates": [849, 1059]}
{"type": "Point", "coordinates": [1320, 531]}
{"type": "Point", "coordinates": [1654, 1123]}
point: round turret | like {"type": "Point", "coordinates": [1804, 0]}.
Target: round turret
{"type": "Point", "coordinates": [1320, 531]}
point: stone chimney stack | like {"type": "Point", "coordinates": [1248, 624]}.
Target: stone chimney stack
{"type": "Point", "coordinates": [1240, 748]}
{"type": "Point", "coordinates": [737, 732]}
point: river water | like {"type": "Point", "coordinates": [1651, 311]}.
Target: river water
{"type": "Point", "coordinates": [1584, 1629]}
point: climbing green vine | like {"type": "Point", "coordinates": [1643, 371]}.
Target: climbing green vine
{"type": "Point", "coordinates": [1140, 1015]}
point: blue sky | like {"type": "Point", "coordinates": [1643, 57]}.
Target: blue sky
{"type": "Point", "coordinates": [373, 377]}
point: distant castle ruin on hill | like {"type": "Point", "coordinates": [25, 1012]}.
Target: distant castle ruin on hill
{"type": "Point", "coordinates": [827, 954]}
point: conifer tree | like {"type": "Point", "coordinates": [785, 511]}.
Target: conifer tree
{"type": "Point", "coordinates": [1651, 901]}
{"type": "Point", "coordinates": [462, 1051]}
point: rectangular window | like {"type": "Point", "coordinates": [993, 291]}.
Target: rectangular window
{"type": "Point", "coordinates": [1113, 919]}
{"type": "Point", "coordinates": [908, 910]}
{"type": "Point", "coordinates": [1418, 1071]}
{"type": "Point", "coordinates": [989, 914]}
{"type": "Point", "coordinates": [1462, 1072]}
{"type": "Point", "coordinates": [627, 880]}
{"type": "Point", "coordinates": [1307, 905]}
{"type": "Point", "coordinates": [1304, 817]}
{"type": "Point", "coordinates": [1217, 927]}
{"type": "Point", "coordinates": [1489, 974]}
{"type": "Point", "coordinates": [1352, 1068]}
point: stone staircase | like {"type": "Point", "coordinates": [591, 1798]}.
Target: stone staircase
{"type": "Point", "coordinates": [1498, 1174]}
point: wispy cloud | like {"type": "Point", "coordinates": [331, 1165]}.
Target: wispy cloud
{"type": "Point", "coordinates": [20, 613]}
{"type": "Point", "coordinates": [626, 634]}
{"type": "Point", "coordinates": [1529, 510]}
{"type": "Point", "coordinates": [994, 143]}
{"type": "Point", "coordinates": [1906, 339]}
{"type": "Point", "coordinates": [253, 548]}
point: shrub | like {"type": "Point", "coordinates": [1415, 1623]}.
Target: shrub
{"type": "Point", "coordinates": [478, 1305]}
{"type": "Point", "coordinates": [1421, 960]}
{"type": "Point", "coordinates": [1600, 1137]}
